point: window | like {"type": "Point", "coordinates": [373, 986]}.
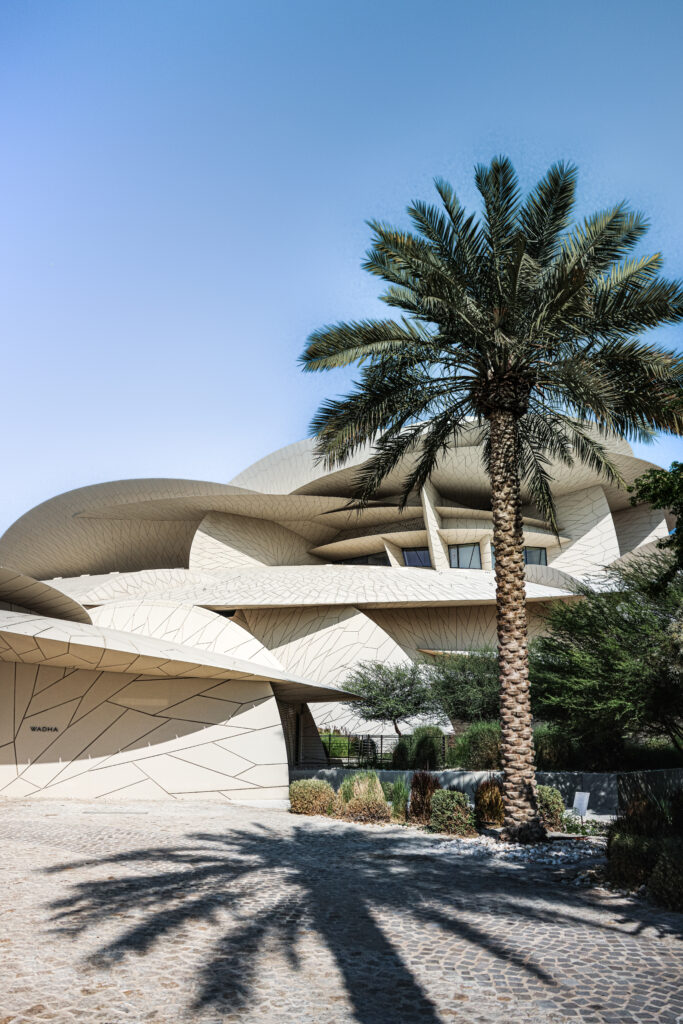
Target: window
{"type": "Point", "coordinates": [535, 556]}
{"type": "Point", "coordinates": [377, 558]}
{"type": "Point", "coordinates": [464, 556]}
{"type": "Point", "coordinates": [418, 557]}
{"type": "Point", "coordinates": [532, 556]}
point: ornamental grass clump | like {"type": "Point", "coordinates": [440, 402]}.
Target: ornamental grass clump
{"type": "Point", "coordinates": [362, 798]}
{"type": "Point", "coordinates": [488, 802]}
{"type": "Point", "coordinates": [312, 796]}
{"type": "Point", "coordinates": [423, 787]}
{"type": "Point", "coordinates": [400, 795]}
{"type": "Point", "coordinates": [451, 813]}
{"type": "Point", "coordinates": [550, 807]}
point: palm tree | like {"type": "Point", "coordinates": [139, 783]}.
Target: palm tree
{"type": "Point", "coordinates": [527, 328]}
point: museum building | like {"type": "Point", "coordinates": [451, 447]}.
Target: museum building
{"type": "Point", "coordinates": [166, 639]}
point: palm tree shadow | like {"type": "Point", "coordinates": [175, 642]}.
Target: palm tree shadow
{"type": "Point", "coordinates": [273, 888]}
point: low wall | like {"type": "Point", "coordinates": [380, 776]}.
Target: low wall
{"type": "Point", "coordinates": [607, 789]}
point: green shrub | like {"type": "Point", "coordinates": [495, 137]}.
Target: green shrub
{"type": "Point", "coordinates": [388, 790]}
{"type": "Point", "coordinates": [451, 813]}
{"type": "Point", "coordinates": [631, 859]}
{"type": "Point", "coordinates": [402, 755]}
{"type": "Point", "coordinates": [554, 748]}
{"type": "Point", "coordinates": [665, 884]}
{"type": "Point", "coordinates": [488, 802]}
{"type": "Point", "coordinates": [423, 786]}
{"type": "Point", "coordinates": [366, 809]}
{"type": "Point", "coordinates": [400, 795]}
{"type": "Point", "coordinates": [312, 796]}
{"type": "Point", "coordinates": [550, 807]}
{"type": "Point", "coordinates": [478, 748]}
{"type": "Point", "coordinates": [361, 785]}
{"type": "Point", "coordinates": [453, 756]}
{"type": "Point", "coordinates": [427, 744]}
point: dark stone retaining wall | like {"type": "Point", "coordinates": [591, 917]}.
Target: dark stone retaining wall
{"type": "Point", "coordinates": [608, 790]}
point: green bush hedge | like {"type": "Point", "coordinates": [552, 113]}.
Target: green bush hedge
{"type": "Point", "coordinates": [478, 748]}
{"type": "Point", "coordinates": [427, 743]}
{"type": "Point", "coordinates": [554, 749]}
{"type": "Point", "coordinates": [550, 807]}
{"type": "Point", "coordinates": [451, 813]}
{"type": "Point", "coordinates": [312, 796]}
{"type": "Point", "coordinates": [361, 785]}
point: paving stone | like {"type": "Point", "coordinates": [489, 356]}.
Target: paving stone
{"type": "Point", "coordinates": [197, 913]}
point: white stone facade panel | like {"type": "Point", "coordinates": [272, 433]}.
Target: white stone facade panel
{"type": "Point", "coordinates": [124, 747]}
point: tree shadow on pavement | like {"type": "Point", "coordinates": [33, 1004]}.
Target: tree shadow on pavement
{"type": "Point", "coordinates": [266, 889]}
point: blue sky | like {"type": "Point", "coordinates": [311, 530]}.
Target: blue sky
{"type": "Point", "coordinates": [185, 186]}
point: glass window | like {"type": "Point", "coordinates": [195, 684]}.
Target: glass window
{"type": "Point", "coordinates": [377, 558]}
{"type": "Point", "coordinates": [465, 556]}
{"type": "Point", "coordinates": [532, 556]}
{"type": "Point", "coordinates": [418, 557]}
{"type": "Point", "coordinates": [535, 556]}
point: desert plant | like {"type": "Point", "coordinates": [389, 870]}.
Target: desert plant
{"type": "Point", "coordinates": [400, 795]}
{"type": "Point", "coordinates": [525, 331]}
{"type": "Point", "coordinates": [488, 802]}
{"type": "Point", "coordinates": [422, 788]}
{"type": "Point", "coordinates": [665, 884]}
{"type": "Point", "coordinates": [550, 807]}
{"type": "Point", "coordinates": [478, 748]}
{"type": "Point", "coordinates": [451, 812]}
{"type": "Point", "coordinates": [427, 742]}
{"type": "Point", "coordinates": [311, 796]}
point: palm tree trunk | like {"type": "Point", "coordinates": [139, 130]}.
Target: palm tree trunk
{"type": "Point", "coordinates": [517, 743]}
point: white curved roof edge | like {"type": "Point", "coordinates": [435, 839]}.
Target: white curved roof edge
{"type": "Point", "coordinates": [41, 640]}
{"type": "Point", "coordinates": [39, 597]}
{"type": "Point", "coordinates": [295, 462]}
{"type": "Point", "coordinates": [306, 585]}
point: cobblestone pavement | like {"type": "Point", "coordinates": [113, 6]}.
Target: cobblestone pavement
{"type": "Point", "coordinates": [207, 913]}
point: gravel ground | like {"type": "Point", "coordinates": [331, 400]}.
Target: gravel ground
{"type": "Point", "coordinates": [204, 913]}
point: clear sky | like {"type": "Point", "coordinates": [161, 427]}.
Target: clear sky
{"type": "Point", "coordinates": [185, 183]}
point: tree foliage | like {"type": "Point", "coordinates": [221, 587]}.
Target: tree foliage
{"type": "Point", "coordinates": [663, 489]}
{"type": "Point", "coordinates": [465, 686]}
{"type": "Point", "coordinates": [611, 665]}
{"type": "Point", "coordinates": [389, 693]}
{"type": "Point", "coordinates": [517, 310]}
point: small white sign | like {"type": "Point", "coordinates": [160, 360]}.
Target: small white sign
{"type": "Point", "coordinates": [581, 803]}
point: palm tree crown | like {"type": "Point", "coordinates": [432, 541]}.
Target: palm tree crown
{"type": "Point", "coordinates": [512, 312]}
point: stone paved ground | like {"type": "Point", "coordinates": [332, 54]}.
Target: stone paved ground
{"type": "Point", "coordinates": [207, 913]}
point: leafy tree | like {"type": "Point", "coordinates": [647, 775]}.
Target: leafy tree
{"type": "Point", "coordinates": [611, 665]}
{"type": "Point", "coordinates": [663, 489]}
{"type": "Point", "coordinates": [465, 686]}
{"type": "Point", "coordinates": [525, 330]}
{"type": "Point", "coordinates": [389, 693]}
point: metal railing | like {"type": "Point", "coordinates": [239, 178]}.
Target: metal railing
{"type": "Point", "coordinates": [365, 750]}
